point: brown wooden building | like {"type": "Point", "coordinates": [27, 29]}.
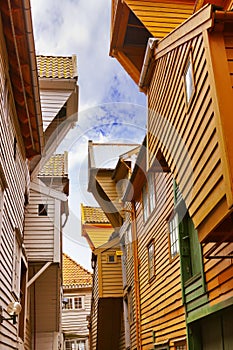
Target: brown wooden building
{"type": "Point", "coordinates": [186, 72]}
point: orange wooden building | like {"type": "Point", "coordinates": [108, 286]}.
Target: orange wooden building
{"type": "Point", "coordinates": [186, 72]}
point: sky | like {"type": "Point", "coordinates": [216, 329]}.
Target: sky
{"type": "Point", "coordinates": [111, 108]}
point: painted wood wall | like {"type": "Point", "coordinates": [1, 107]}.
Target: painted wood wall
{"type": "Point", "coordinates": [111, 275]}
{"type": "Point", "coordinates": [189, 135]}
{"type": "Point", "coordinates": [75, 321]}
{"type": "Point", "coordinates": [94, 308]}
{"type": "Point", "coordinates": [161, 17]}
{"type": "Point", "coordinates": [14, 183]}
{"type": "Point", "coordinates": [161, 297]}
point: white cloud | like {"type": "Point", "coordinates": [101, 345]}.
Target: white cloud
{"type": "Point", "coordinates": [82, 27]}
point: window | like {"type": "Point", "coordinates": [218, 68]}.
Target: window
{"type": "Point", "coordinates": [75, 303]}
{"type": "Point", "coordinates": [180, 345]}
{"type": "Point", "coordinates": [189, 81]}
{"type": "Point", "coordinates": [128, 242]}
{"type": "Point", "coordinates": [151, 260]}
{"type": "Point", "coordinates": [43, 209]}
{"type": "Point", "coordinates": [75, 344]}
{"type": "Point", "coordinates": [174, 236]}
{"type": "Point", "coordinates": [111, 258]}
{"type": "Point", "coordinates": [148, 196]}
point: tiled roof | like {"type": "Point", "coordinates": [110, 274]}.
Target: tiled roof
{"type": "Point", "coordinates": [74, 275]}
{"type": "Point", "coordinates": [57, 67]}
{"type": "Point", "coordinates": [56, 166]}
{"type": "Point", "coordinates": [91, 215]}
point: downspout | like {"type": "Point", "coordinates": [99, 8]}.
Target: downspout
{"type": "Point", "coordinates": [151, 44]}
{"type": "Point", "coordinates": [136, 278]}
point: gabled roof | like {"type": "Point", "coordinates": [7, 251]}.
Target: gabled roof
{"type": "Point", "coordinates": [74, 275]}
{"type": "Point", "coordinates": [96, 227]}
{"type": "Point", "coordinates": [57, 67]}
{"type": "Point", "coordinates": [93, 215]}
{"type": "Point", "coordinates": [56, 166]}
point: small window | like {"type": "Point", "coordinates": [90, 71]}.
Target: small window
{"type": "Point", "coordinates": [43, 209]}
{"type": "Point", "coordinates": [180, 345]}
{"type": "Point", "coordinates": [189, 81]}
{"type": "Point", "coordinates": [16, 264]}
{"type": "Point", "coordinates": [149, 196]}
{"type": "Point", "coordinates": [74, 303]}
{"type": "Point", "coordinates": [174, 236]}
{"type": "Point", "coordinates": [111, 258]}
{"type": "Point", "coordinates": [151, 260]}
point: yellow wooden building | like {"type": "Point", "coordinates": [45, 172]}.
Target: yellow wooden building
{"type": "Point", "coordinates": [106, 320]}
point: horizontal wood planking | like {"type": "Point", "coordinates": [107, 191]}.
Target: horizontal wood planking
{"type": "Point", "coordinates": [160, 18]}
{"type": "Point", "coordinates": [39, 230]}
{"type": "Point", "coordinates": [161, 298]}
{"type": "Point", "coordinates": [111, 275]}
{"type": "Point", "coordinates": [181, 129]}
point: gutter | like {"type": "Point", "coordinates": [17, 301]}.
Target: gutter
{"type": "Point", "coordinates": [151, 45]}
{"type": "Point", "coordinates": [33, 65]}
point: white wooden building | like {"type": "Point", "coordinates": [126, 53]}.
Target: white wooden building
{"type": "Point", "coordinates": [77, 287]}
{"type": "Point", "coordinates": [32, 211]}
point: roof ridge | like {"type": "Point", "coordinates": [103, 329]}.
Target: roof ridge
{"type": "Point", "coordinates": [75, 262]}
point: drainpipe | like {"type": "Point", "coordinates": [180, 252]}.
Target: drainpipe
{"type": "Point", "coordinates": [136, 278]}
{"type": "Point", "coordinates": [151, 45]}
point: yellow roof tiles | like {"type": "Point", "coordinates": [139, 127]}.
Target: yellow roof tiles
{"type": "Point", "coordinates": [93, 215]}
{"type": "Point", "coordinates": [74, 275]}
{"type": "Point", "coordinates": [57, 67]}
{"type": "Point", "coordinates": [56, 166]}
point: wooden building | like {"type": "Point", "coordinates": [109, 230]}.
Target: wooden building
{"type": "Point", "coordinates": [187, 76]}
{"type": "Point", "coordinates": [77, 287]}
{"type": "Point", "coordinates": [28, 262]}
{"type": "Point", "coordinates": [108, 184]}
{"type": "Point", "coordinates": [106, 321]}
{"type": "Point", "coordinates": [21, 139]}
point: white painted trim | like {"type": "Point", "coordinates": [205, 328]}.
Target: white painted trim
{"type": "Point", "coordinates": [57, 232]}
{"type": "Point", "coordinates": [40, 187]}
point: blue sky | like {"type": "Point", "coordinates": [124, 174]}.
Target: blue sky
{"type": "Point", "coordinates": [111, 108]}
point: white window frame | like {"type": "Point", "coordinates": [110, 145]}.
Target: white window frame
{"type": "Point", "coordinates": [149, 196]}
{"type": "Point", "coordinates": [174, 236]}
{"type": "Point", "coordinates": [71, 302]}
{"type": "Point", "coordinates": [75, 344]}
{"type": "Point", "coordinates": [189, 79]}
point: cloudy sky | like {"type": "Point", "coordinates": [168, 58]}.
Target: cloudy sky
{"type": "Point", "coordinates": [111, 108]}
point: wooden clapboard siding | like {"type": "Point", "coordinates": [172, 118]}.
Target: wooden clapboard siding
{"type": "Point", "coordinates": [160, 18]}
{"type": "Point", "coordinates": [94, 308]}
{"type": "Point", "coordinates": [111, 275]}
{"type": "Point", "coordinates": [39, 230]}
{"type": "Point", "coordinates": [161, 298]}
{"type": "Point", "coordinates": [180, 130]}
{"type": "Point", "coordinates": [109, 187]}
{"type": "Point", "coordinates": [13, 185]}
{"type": "Point", "coordinates": [75, 321]}
{"type": "Point", "coordinates": [51, 103]}
{"type": "Point", "coordinates": [219, 273]}
{"type": "Point", "coordinates": [98, 235]}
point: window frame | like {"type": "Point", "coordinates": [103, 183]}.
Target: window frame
{"type": "Point", "coordinates": [111, 255]}
{"type": "Point", "coordinates": [71, 301]}
{"type": "Point", "coordinates": [16, 265]}
{"type": "Point", "coordinates": [43, 211]}
{"type": "Point", "coordinates": [75, 342]}
{"type": "Point", "coordinates": [173, 235]}
{"type": "Point", "coordinates": [151, 258]}
{"type": "Point", "coordinates": [149, 196]}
